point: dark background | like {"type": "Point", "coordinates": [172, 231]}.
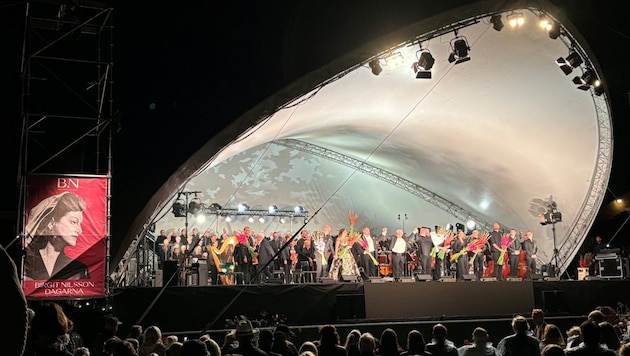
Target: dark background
{"type": "Point", "coordinates": [185, 71]}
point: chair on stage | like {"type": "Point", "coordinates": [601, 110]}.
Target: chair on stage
{"type": "Point", "coordinates": [304, 274]}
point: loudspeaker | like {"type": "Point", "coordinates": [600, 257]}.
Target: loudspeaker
{"type": "Point", "coordinates": [349, 278]}
{"type": "Point", "coordinates": [170, 270]}
{"type": "Point", "coordinates": [424, 277]}
{"type": "Point", "coordinates": [488, 279]}
{"type": "Point", "coordinates": [593, 278]}
{"type": "Point", "coordinates": [470, 277]}
{"type": "Point", "coordinates": [203, 273]}
{"type": "Point", "coordinates": [407, 280]}
{"type": "Point", "coordinates": [552, 279]}
{"type": "Point", "coordinates": [537, 277]}
{"type": "Point", "coordinates": [448, 279]}
{"type": "Point", "coordinates": [514, 279]}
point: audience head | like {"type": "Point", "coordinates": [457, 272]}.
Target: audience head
{"type": "Point", "coordinates": [415, 341]}
{"type": "Point", "coordinates": [439, 332]}
{"type": "Point", "coordinates": [308, 346]}
{"type": "Point", "coordinates": [596, 316]}
{"type": "Point", "coordinates": [553, 335]}
{"type": "Point", "coordinates": [367, 343]}
{"type": "Point", "coordinates": [552, 350]}
{"type": "Point", "coordinates": [194, 347]}
{"type": "Point", "coordinates": [153, 335]}
{"type": "Point", "coordinates": [49, 320]}
{"type": "Point", "coordinates": [590, 332]}
{"type": "Point", "coordinates": [213, 347]}
{"type": "Point", "coordinates": [519, 324]}
{"type": "Point", "coordinates": [175, 349]}
{"type": "Point", "coordinates": [353, 337]}
{"type": "Point", "coordinates": [245, 332]}
{"type": "Point", "coordinates": [328, 335]}
{"type": "Point", "coordinates": [537, 316]}
{"type": "Point", "coordinates": [265, 339]}
{"type": "Point", "coordinates": [609, 336]}
{"type": "Point", "coordinates": [81, 351]}
{"type": "Point", "coordinates": [388, 341]}
{"type": "Point", "coordinates": [480, 336]}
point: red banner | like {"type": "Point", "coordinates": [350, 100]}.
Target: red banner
{"type": "Point", "coordinates": [65, 237]}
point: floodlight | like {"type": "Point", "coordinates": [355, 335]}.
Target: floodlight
{"type": "Point", "coordinates": [459, 50]}
{"type": "Point", "coordinates": [423, 66]}
{"type": "Point", "coordinates": [179, 208]}
{"type": "Point", "coordinates": [515, 19]}
{"type": "Point", "coordinates": [572, 61]}
{"type": "Point", "coordinates": [242, 207]}
{"type": "Point", "coordinates": [272, 209]}
{"type": "Point", "coordinates": [496, 22]}
{"type": "Point", "coordinates": [375, 65]}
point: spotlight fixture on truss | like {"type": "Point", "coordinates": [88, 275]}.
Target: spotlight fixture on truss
{"type": "Point", "coordinates": [587, 80]}
{"type": "Point", "coordinates": [375, 66]}
{"type": "Point", "coordinates": [195, 205]}
{"type": "Point", "coordinates": [179, 207]}
{"type": "Point", "coordinates": [459, 50]}
{"type": "Point", "coordinates": [497, 23]}
{"type": "Point", "coordinates": [572, 61]}
{"type": "Point", "coordinates": [423, 66]}
{"type": "Point", "coordinates": [394, 60]}
{"type": "Point", "coordinates": [242, 207]}
{"type": "Point", "coordinates": [272, 209]}
{"type": "Point", "coordinates": [551, 26]}
{"type": "Point", "coordinates": [515, 19]}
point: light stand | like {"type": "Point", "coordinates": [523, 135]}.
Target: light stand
{"type": "Point", "coordinates": [552, 216]}
{"type": "Point", "coordinates": [403, 221]}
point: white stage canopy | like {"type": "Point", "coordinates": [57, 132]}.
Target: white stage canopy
{"type": "Point", "coordinates": [495, 138]}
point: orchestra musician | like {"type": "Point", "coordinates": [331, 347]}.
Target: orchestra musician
{"type": "Point", "coordinates": [425, 245]}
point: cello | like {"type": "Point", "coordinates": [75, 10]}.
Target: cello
{"type": "Point", "coordinates": [385, 263]}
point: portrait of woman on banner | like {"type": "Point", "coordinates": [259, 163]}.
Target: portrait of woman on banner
{"type": "Point", "coordinates": [54, 224]}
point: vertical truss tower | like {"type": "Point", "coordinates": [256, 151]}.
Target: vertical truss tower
{"type": "Point", "coordinates": [67, 106]}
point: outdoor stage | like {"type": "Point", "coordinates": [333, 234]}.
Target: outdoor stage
{"type": "Point", "coordinates": [207, 307]}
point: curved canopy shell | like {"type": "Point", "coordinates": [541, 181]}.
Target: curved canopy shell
{"type": "Point", "coordinates": [496, 138]}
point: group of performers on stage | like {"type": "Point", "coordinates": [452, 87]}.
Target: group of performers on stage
{"type": "Point", "coordinates": [247, 257]}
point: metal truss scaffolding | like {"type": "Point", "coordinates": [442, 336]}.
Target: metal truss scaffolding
{"type": "Point", "coordinates": [67, 106]}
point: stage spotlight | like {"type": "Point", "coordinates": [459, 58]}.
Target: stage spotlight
{"type": "Point", "coordinates": [459, 50]}
{"type": "Point", "coordinates": [552, 27]}
{"type": "Point", "coordinates": [214, 207]}
{"type": "Point", "coordinates": [496, 22]}
{"type": "Point", "coordinates": [299, 209]}
{"type": "Point", "coordinates": [423, 66]}
{"type": "Point", "coordinates": [250, 219]}
{"type": "Point", "coordinates": [194, 206]}
{"type": "Point", "coordinates": [242, 207]}
{"type": "Point", "coordinates": [282, 220]}
{"type": "Point", "coordinates": [587, 80]}
{"type": "Point", "coordinates": [449, 227]}
{"type": "Point", "coordinates": [394, 60]}
{"type": "Point", "coordinates": [459, 226]}
{"type": "Point", "coordinates": [261, 220]}
{"type": "Point", "coordinates": [201, 218]}
{"type": "Point", "coordinates": [228, 218]}
{"type": "Point", "coordinates": [375, 65]}
{"type": "Point", "coordinates": [573, 60]}
{"type": "Point", "coordinates": [179, 208]}
{"type": "Point", "coordinates": [470, 224]}
{"type": "Point", "coordinates": [515, 19]}
{"type": "Point", "coordinates": [272, 209]}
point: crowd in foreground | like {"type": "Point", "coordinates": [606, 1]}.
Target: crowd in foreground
{"type": "Point", "coordinates": [50, 332]}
